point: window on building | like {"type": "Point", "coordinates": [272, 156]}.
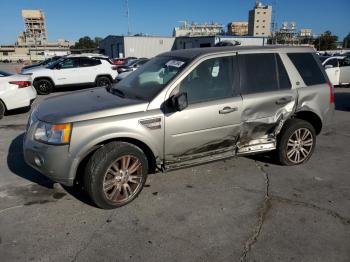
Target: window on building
{"type": "Point", "coordinates": [257, 21]}
{"type": "Point", "coordinates": [257, 26]}
{"type": "Point", "coordinates": [307, 68]}
{"type": "Point", "coordinates": [210, 80]}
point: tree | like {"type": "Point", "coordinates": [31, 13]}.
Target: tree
{"type": "Point", "coordinates": [326, 41]}
{"type": "Point", "coordinates": [87, 43]}
{"type": "Point", "coordinates": [346, 42]}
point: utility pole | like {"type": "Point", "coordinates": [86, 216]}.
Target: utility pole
{"type": "Point", "coordinates": [128, 16]}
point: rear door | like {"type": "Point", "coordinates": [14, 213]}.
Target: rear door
{"type": "Point", "coordinates": [333, 71]}
{"type": "Point", "coordinates": [210, 124]}
{"type": "Point", "coordinates": [88, 69]}
{"type": "Point", "coordinates": [267, 98]}
{"type": "Point", "coordinates": [344, 68]}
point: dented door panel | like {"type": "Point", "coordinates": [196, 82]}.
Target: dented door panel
{"type": "Point", "coordinates": [263, 116]}
{"type": "Point", "coordinates": [201, 130]}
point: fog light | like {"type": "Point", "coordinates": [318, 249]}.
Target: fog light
{"type": "Point", "coordinates": [38, 161]}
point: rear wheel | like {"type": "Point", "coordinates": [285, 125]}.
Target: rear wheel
{"type": "Point", "coordinates": [43, 86]}
{"type": "Point", "coordinates": [296, 142]}
{"type": "Point", "coordinates": [103, 81]}
{"type": "Point", "coordinates": [2, 110]}
{"type": "Point", "coordinates": [115, 174]}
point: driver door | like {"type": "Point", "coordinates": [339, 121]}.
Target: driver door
{"type": "Point", "coordinates": [210, 124]}
{"type": "Point", "coordinates": [67, 72]}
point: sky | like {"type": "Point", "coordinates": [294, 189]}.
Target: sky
{"type": "Point", "coordinates": [72, 19]}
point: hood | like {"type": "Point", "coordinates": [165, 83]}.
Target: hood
{"type": "Point", "coordinates": [30, 66]}
{"type": "Point", "coordinates": [34, 69]}
{"type": "Point", "coordinates": [86, 105]}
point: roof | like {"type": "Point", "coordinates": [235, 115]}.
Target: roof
{"type": "Point", "coordinates": [196, 52]}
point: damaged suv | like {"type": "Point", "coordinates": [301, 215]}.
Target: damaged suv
{"type": "Point", "coordinates": [181, 108]}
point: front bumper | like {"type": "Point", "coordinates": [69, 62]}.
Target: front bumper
{"type": "Point", "coordinates": [53, 161]}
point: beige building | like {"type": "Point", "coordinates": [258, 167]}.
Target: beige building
{"type": "Point", "coordinates": [260, 20]}
{"type": "Point", "coordinates": [35, 28]}
{"type": "Point", "coordinates": [238, 28]}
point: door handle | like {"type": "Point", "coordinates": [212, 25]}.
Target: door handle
{"type": "Point", "coordinates": [283, 100]}
{"type": "Point", "coordinates": [227, 110]}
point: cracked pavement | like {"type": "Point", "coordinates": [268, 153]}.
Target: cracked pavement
{"type": "Point", "coordinates": [241, 209]}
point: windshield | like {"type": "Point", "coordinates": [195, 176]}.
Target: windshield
{"type": "Point", "coordinates": [52, 64]}
{"type": "Point", "coordinates": [146, 82]}
{"type": "Point", "coordinates": [131, 62]}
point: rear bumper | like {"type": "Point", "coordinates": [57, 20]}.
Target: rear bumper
{"type": "Point", "coordinates": [21, 97]}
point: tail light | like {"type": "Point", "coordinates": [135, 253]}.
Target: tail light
{"type": "Point", "coordinates": [21, 84]}
{"type": "Point", "coordinates": [331, 93]}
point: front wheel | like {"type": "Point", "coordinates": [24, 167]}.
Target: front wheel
{"type": "Point", "coordinates": [2, 110]}
{"type": "Point", "coordinates": [296, 142]}
{"type": "Point", "coordinates": [115, 174]}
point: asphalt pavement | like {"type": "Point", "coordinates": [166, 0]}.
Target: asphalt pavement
{"type": "Point", "coordinates": [241, 209]}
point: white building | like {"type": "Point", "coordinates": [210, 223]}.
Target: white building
{"type": "Point", "coordinates": [135, 46]}
{"type": "Point", "coordinates": [260, 20]}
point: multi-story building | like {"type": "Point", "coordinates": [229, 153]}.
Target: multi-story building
{"type": "Point", "coordinates": [195, 29]}
{"type": "Point", "coordinates": [237, 28]}
{"type": "Point", "coordinates": [260, 20]}
{"type": "Point", "coordinates": [35, 28]}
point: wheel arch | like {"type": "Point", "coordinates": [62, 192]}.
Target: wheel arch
{"type": "Point", "coordinates": [312, 118]}
{"type": "Point", "coordinates": [104, 75]}
{"type": "Point", "coordinates": [44, 78]}
{"type": "Point", "coordinates": [151, 158]}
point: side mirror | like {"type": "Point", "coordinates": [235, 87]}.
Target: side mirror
{"type": "Point", "coordinates": [179, 101]}
{"type": "Point", "coordinates": [328, 66]}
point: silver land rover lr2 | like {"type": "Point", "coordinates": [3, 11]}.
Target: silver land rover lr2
{"type": "Point", "coordinates": [182, 108]}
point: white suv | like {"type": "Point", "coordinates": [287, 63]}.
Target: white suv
{"type": "Point", "coordinates": [73, 70]}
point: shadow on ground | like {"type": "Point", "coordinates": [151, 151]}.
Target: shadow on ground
{"type": "Point", "coordinates": [342, 101]}
{"type": "Point", "coordinates": [17, 165]}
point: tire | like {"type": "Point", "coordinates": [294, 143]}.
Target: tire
{"type": "Point", "coordinates": [2, 110]}
{"type": "Point", "coordinates": [103, 81]}
{"type": "Point", "coordinates": [43, 86]}
{"type": "Point", "coordinates": [296, 142]}
{"type": "Point", "coordinates": [105, 179]}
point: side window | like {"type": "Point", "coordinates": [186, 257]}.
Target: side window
{"type": "Point", "coordinates": [86, 62]}
{"type": "Point", "coordinates": [308, 68]}
{"type": "Point", "coordinates": [69, 63]}
{"type": "Point", "coordinates": [210, 80]}
{"type": "Point", "coordinates": [283, 78]}
{"type": "Point", "coordinates": [333, 62]}
{"type": "Point", "coordinates": [258, 73]}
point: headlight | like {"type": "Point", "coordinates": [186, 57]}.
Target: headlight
{"type": "Point", "coordinates": [53, 134]}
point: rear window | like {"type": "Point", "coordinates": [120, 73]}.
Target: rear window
{"type": "Point", "coordinates": [307, 68]}
{"type": "Point", "coordinates": [262, 73]}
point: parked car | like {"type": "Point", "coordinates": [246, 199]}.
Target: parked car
{"type": "Point", "coordinates": [132, 65]}
{"type": "Point", "coordinates": [41, 64]}
{"type": "Point", "coordinates": [73, 70]}
{"type": "Point", "coordinates": [125, 71]}
{"type": "Point", "coordinates": [337, 69]}
{"type": "Point", "coordinates": [16, 91]}
{"type": "Point", "coordinates": [122, 61]}
{"type": "Point", "coordinates": [6, 61]}
{"type": "Point", "coordinates": [182, 108]}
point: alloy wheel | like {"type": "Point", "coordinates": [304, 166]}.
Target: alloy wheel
{"type": "Point", "coordinates": [123, 179]}
{"type": "Point", "coordinates": [299, 145]}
